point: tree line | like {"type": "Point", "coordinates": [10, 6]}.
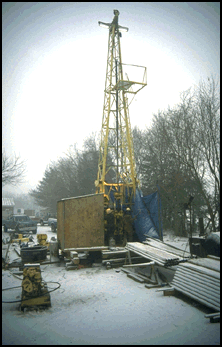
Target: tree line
{"type": "Point", "coordinates": [69, 176]}
{"type": "Point", "coordinates": [180, 152]}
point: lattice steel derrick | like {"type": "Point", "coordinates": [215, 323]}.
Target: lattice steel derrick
{"type": "Point", "coordinates": [116, 168]}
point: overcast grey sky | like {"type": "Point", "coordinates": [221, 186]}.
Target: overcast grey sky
{"type": "Point", "coordinates": [54, 65]}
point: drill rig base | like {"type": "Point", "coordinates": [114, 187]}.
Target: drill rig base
{"type": "Point", "coordinates": [34, 291]}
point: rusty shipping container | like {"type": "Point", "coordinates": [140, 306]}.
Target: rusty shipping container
{"type": "Point", "coordinates": [80, 221]}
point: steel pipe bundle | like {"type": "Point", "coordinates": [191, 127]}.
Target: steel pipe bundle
{"type": "Point", "coordinates": [209, 263]}
{"type": "Point", "coordinates": [158, 255]}
{"type": "Point", "coordinates": [165, 247]}
{"type": "Point", "coordinates": [199, 283]}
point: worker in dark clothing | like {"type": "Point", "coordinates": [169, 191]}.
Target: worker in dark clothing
{"type": "Point", "coordinates": [128, 225]}
{"type": "Point", "coordinates": [110, 225]}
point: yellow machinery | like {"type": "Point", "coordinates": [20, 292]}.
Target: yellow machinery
{"type": "Point", "coordinates": [34, 290]}
{"type": "Point", "coordinates": [42, 240]}
{"type": "Point", "coordinates": [116, 177]}
{"type": "Point", "coordinates": [21, 239]}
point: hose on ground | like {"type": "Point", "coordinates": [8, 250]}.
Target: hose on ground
{"type": "Point", "coordinates": [14, 301]}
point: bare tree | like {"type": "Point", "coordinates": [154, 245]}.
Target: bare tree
{"type": "Point", "coordinates": [208, 100]}
{"type": "Point", "coordinates": [13, 170]}
{"type": "Point", "coordinates": [182, 151]}
{"type": "Point", "coordinates": [193, 135]}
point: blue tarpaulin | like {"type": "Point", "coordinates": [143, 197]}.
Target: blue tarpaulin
{"type": "Point", "coordinates": [146, 212]}
{"type": "Point", "coordinates": [147, 215]}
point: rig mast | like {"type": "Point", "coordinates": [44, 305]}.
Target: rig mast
{"type": "Point", "coordinates": [116, 176]}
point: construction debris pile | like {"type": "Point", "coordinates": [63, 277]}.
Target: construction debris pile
{"type": "Point", "coordinates": [107, 256]}
{"type": "Point", "coordinates": [76, 258]}
{"type": "Point", "coordinates": [158, 251]}
{"type": "Point", "coordinates": [24, 249]}
{"type": "Point", "coordinates": [200, 280]}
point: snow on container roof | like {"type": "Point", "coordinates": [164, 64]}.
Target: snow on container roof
{"type": "Point", "coordinates": [8, 202]}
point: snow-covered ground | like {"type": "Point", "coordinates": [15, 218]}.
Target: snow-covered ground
{"type": "Point", "coordinates": [99, 306]}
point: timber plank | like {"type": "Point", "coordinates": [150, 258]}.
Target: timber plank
{"type": "Point", "coordinates": [213, 257]}
{"type": "Point", "coordinates": [165, 289]}
{"type": "Point", "coordinates": [212, 314]}
{"type": "Point", "coordinates": [145, 278]}
{"type": "Point", "coordinates": [127, 271]}
{"type": "Point", "coordinates": [150, 286]}
{"type": "Point", "coordinates": [142, 277]}
{"type": "Point", "coordinates": [136, 278]}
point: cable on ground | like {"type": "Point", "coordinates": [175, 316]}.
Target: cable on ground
{"type": "Point", "coordinates": [12, 302]}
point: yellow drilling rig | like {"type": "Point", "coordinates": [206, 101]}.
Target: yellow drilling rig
{"type": "Point", "coordinates": [116, 177]}
{"type": "Point", "coordinates": [93, 220]}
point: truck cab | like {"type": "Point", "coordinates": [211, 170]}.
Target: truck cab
{"type": "Point", "coordinates": [20, 224]}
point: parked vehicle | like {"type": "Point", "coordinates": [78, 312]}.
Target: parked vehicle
{"type": "Point", "coordinates": [20, 223]}
{"type": "Point", "coordinates": [45, 220]}
{"type": "Point", "coordinates": [53, 223]}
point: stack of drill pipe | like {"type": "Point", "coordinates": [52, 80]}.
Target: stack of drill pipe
{"type": "Point", "coordinates": [160, 256]}
{"type": "Point", "coordinates": [209, 263]}
{"type": "Point", "coordinates": [199, 282]}
{"type": "Point", "coordinates": [165, 247]}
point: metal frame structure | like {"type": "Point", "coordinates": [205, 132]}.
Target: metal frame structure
{"type": "Point", "coordinates": [116, 167]}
